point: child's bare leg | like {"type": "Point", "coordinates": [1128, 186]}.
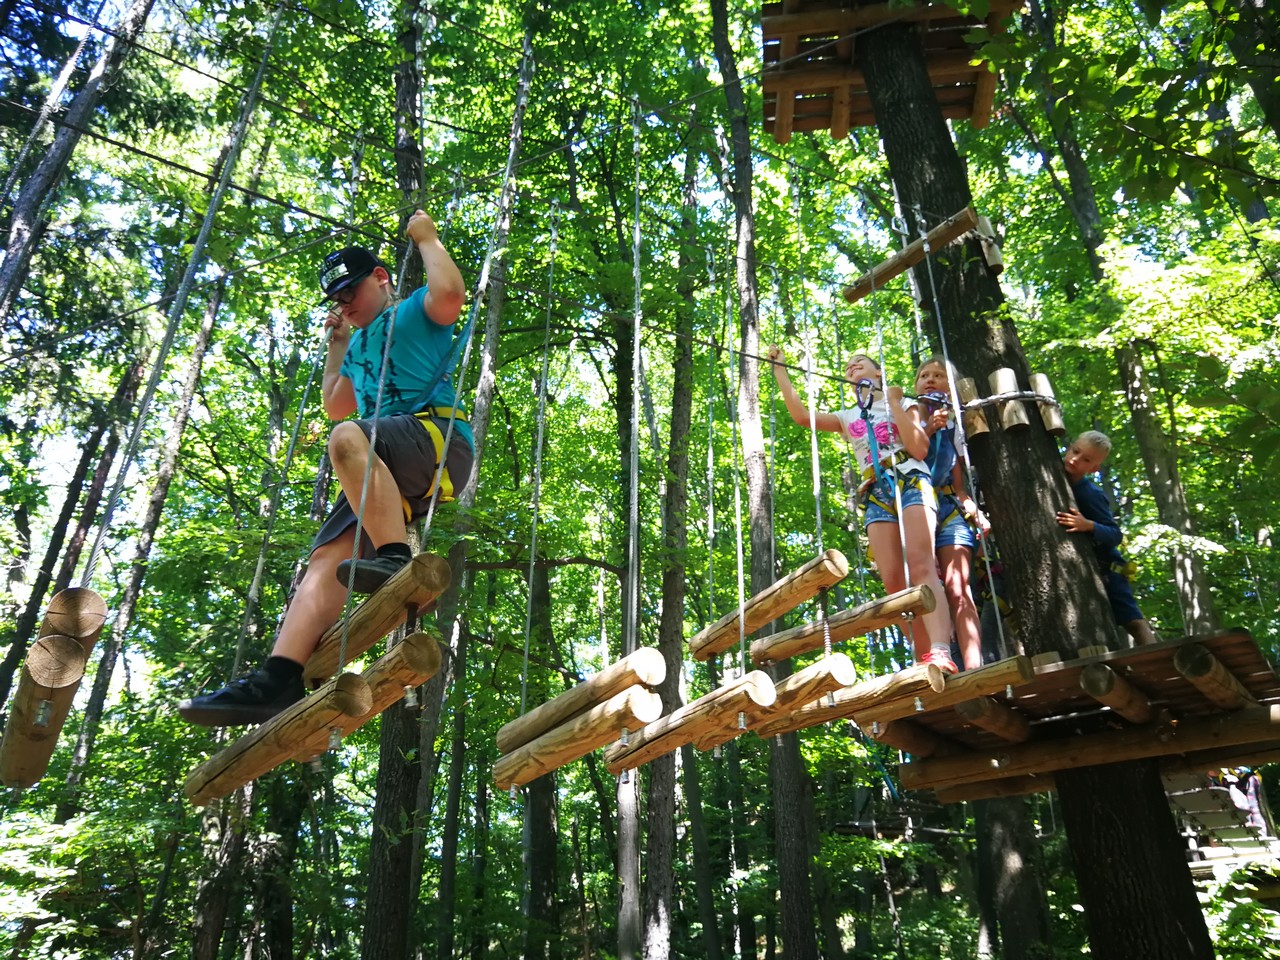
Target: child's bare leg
{"type": "Point", "coordinates": [1141, 631]}
{"type": "Point", "coordinates": [383, 515]}
{"type": "Point", "coordinates": [317, 603]}
{"type": "Point", "coordinates": [957, 565]}
{"type": "Point", "coordinates": [918, 521]}
{"type": "Point", "coordinates": [886, 547]}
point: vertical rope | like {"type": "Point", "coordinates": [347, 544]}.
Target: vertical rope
{"type": "Point", "coordinates": [194, 264]}
{"type": "Point", "coordinates": [735, 383]}
{"type": "Point", "coordinates": [629, 639]}
{"type": "Point", "coordinates": [537, 455]}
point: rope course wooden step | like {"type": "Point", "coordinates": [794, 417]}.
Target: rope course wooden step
{"type": "Point", "coordinates": [812, 80]}
{"type": "Point", "coordinates": [411, 589]}
{"type": "Point", "coordinates": [593, 713]}
{"type": "Point", "coordinates": [770, 603]}
{"type": "Point", "coordinates": [1198, 702]}
{"type": "Point", "coordinates": [854, 622]}
{"type": "Point", "coordinates": [51, 675]}
{"type": "Point", "coordinates": [303, 731]}
{"type": "Point", "coordinates": [699, 722]}
{"type": "Point", "coordinates": [903, 260]}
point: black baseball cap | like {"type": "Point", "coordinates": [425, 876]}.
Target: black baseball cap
{"type": "Point", "coordinates": [347, 267]}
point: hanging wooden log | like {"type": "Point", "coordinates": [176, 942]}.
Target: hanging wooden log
{"type": "Point", "coordinates": [853, 622]}
{"type": "Point", "coordinates": [708, 713]}
{"type": "Point", "coordinates": [412, 587]}
{"type": "Point", "coordinates": [265, 747]}
{"type": "Point", "coordinates": [911, 738]}
{"type": "Point", "coordinates": [975, 420]}
{"type": "Point", "coordinates": [1207, 673]}
{"type": "Point", "coordinates": [813, 684]}
{"type": "Point", "coordinates": [1013, 415]}
{"type": "Point", "coordinates": [986, 681]}
{"type": "Point", "coordinates": [47, 684]}
{"type": "Point", "coordinates": [901, 687]}
{"type": "Point", "coordinates": [410, 663]}
{"type": "Point", "coordinates": [1050, 413]}
{"type": "Point", "coordinates": [770, 603]}
{"type": "Point", "coordinates": [906, 258]}
{"type": "Point", "coordinates": [1252, 725]}
{"type": "Point", "coordinates": [644, 666]}
{"type": "Point", "coordinates": [994, 717]}
{"type": "Point", "coordinates": [1109, 688]}
{"type": "Point", "coordinates": [629, 710]}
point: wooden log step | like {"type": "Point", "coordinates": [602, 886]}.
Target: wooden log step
{"type": "Point", "coordinates": [267, 746]}
{"type": "Point", "coordinates": [906, 258]}
{"type": "Point", "coordinates": [911, 738]}
{"type": "Point", "coordinates": [1112, 690]}
{"type": "Point", "coordinates": [1252, 725]}
{"type": "Point", "coordinates": [994, 717]}
{"type": "Point", "coordinates": [853, 622]}
{"type": "Point", "coordinates": [629, 710]}
{"type": "Point", "coordinates": [987, 681]}
{"type": "Point", "coordinates": [644, 666]}
{"type": "Point", "coordinates": [703, 716]}
{"type": "Point", "coordinates": [415, 585]}
{"type": "Point", "coordinates": [1206, 672]}
{"type": "Point", "coordinates": [771, 603]}
{"type": "Point", "coordinates": [809, 685]}
{"type": "Point", "coordinates": [47, 684]}
{"type": "Point", "coordinates": [410, 663]}
{"type": "Point", "coordinates": [903, 686]}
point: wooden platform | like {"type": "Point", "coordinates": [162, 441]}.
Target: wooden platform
{"type": "Point", "coordinates": [812, 80]}
{"type": "Point", "coordinates": [1012, 742]}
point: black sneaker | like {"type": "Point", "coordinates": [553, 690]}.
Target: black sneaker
{"type": "Point", "coordinates": [370, 574]}
{"type": "Point", "coordinates": [254, 698]}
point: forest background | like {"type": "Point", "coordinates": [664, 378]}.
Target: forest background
{"type": "Point", "coordinates": [1172, 278]}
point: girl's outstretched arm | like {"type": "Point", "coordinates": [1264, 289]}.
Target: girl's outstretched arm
{"type": "Point", "coordinates": [795, 406]}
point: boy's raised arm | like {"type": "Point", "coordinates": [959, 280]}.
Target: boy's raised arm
{"type": "Point", "coordinates": [445, 290]}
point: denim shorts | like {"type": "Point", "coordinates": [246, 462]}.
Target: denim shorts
{"type": "Point", "coordinates": [914, 488]}
{"type": "Point", "coordinates": [953, 528]}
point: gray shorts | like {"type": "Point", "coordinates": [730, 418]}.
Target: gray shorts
{"type": "Point", "coordinates": [409, 446]}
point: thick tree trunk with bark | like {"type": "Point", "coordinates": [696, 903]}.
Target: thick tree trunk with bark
{"type": "Point", "coordinates": [1011, 877]}
{"type": "Point", "coordinates": [703, 881]}
{"type": "Point", "coordinates": [225, 829]}
{"type": "Point", "coordinates": [451, 828]}
{"type": "Point", "coordinates": [541, 931]}
{"type": "Point", "coordinates": [1055, 587]}
{"type": "Point", "coordinates": [26, 218]}
{"type": "Point", "coordinates": [286, 801]}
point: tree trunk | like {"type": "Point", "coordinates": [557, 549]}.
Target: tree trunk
{"type": "Point", "coordinates": [37, 190]}
{"type": "Point", "coordinates": [451, 829]}
{"type": "Point", "coordinates": [276, 856]}
{"type": "Point", "coordinates": [224, 827]}
{"type": "Point", "coordinates": [703, 882]}
{"type": "Point", "coordinates": [479, 863]}
{"type": "Point", "coordinates": [1053, 582]}
{"type": "Point", "coordinates": [539, 907]}
{"type": "Point", "coordinates": [1011, 875]}
{"type": "Point", "coordinates": [1255, 43]}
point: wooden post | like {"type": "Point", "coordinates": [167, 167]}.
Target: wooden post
{"type": "Point", "coordinates": [854, 622]}
{"type": "Point", "coordinates": [1050, 413]}
{"type": "Point", "coordinates": [47, 684]}
{"type": "Point", "coordinates": [911, 738]}
{"type": "Point", "coordinates": [415, 585]}
{"type": "Point", "coordinates": [697, 719]}
{"type": "Point", "coordinates": [975, 420]}
{"type": "Point", "coordinates": [627, 710]}
{"type": "Point", "coordinates": [901, 687]}
{"type": "Point", "coordinates": [1252, 725]}
{"type": "Point", "coordinates": [986, 232]}
{"type": "Point", "coordinates": [1013, 415]}
{"type": "Point", "coordinates": [645, 666]}
{"type": "Point", "coordinates": [1210, 677]}
{"type": "Point", "coordinates": [770, 603]}
{"type": "Point", "coordinates": [265, 747]}
{"type": "Point", "coordinates": [1109, 688]}
{"type": "Point", "coordinates": [1005, 722]}
{"type": "Point", "coordinates": [411, 662]}
{"type": "Point", "coordinates": [983, 682]}
{"type": "Point", "coordinates": [910, 255]}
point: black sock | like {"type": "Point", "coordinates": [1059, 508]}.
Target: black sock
{"type": "Point", "coordinates": [282, 669]}
{"type": "Point", "coordinates": [396, 551]}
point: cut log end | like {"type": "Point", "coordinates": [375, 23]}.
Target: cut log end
{"type": "Point", "coordinates": [55, 661]}
{"type": "Point", "coordinates": [76, 612]}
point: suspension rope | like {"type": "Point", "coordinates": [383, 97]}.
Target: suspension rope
{"type": "Point", "coordinates": [629, 639]}
{"type": "Point", "coordinates": [179, 306]}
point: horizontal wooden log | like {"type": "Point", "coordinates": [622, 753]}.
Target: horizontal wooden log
{"type": "Point", "coordinates": [46, 687]}
{"type": "Point", "coordinates": [807, 78]}
{"type": "Point", "coordinates": [697, 719]}
{"type": "Point", "coordinates": [993, 789]}
{"type": "Point", "coordinates": [997, 718]}
{"type": "Point", "coordinates": [410, 663]}
{"type": "Point", "coordinates": [910, 255]}
{"type": "Point", "coordinates": [267, 746]}
{"type": "Point", "coordinates": [415, 585]}
{"type": "Point", "coordinates": [1256, 725]}
{"type": "Point", "coordinates": [770, 603]}
{"type": "Point", "coordinates": [1206, 672]}
{"type": "Point", "coordinates": [911, 738]}
{"type": "Point", "coordinates": [853, 622]}
{"type": "Point", "coordinates": [984, 682]}
{"type": "Point", "coordinates": [1110, 689]}
{"type": "Point", "coordinates": [629, 710]}
{"type": "Point", "coordinates": [903, 686]}
{"type": "Point", "coordinates": [813, 684]}
{"type": "Point", "coordinates": [644, 666]}
{"type": "Point", "coordinates": [844, 20]}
